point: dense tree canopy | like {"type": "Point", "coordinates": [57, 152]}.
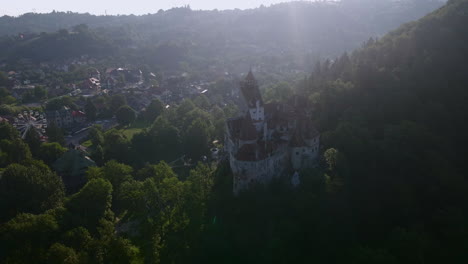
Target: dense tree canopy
{"type": "Point", "coordinates": [390, 186]}
{"type": "Point", "coordinates": [282, 37]}
{"type": "Point", "coordinates": [125, 115]}
{"type": "Point", "coordinates": [30, 188]}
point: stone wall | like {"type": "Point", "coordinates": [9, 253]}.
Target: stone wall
{"type": "Point", "coordinates": [247, 173]}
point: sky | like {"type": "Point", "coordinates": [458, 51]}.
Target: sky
{"type": "Point", "coordinates": [114, 7]}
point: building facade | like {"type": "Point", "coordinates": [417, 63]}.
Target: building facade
{"type": "Point", "coordinates": [268, 139]}
{"type": "Point", "coordinates": [66, 118]}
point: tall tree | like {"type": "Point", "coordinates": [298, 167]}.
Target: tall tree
{"type": "Point", "coordinates": [116, 146]}
{"type": "Point", "coordinates": [117, 101]}
{"type": "Point", "coordinates": [50, 152]}
{"type": "Point", "coordinates": [125, 115]}
{"type": "Point", "coordinates": [7, 131]}
{"type": "Point", "coordinates": [55, 134]}
{"type": "Point", "coordinates": [96, 135]}
{"type": "Point", "coordinates": [91, 204]}
{"type": "Point", "coordinates": [14, 151]}
{"type": "Point", "coordinates": [90, 110]}
{"type": "Point", "coordinates": [29, 188]}
{"type": "Point", "coordinates": [33, 140]}
{"type": "Point", "coordinates": [154, 110]}
{"type": "Point", "coordinates": [197, 139]}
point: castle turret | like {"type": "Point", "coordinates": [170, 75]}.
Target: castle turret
{"type": "Point", "coordinates": [248, 134]}
{"type": "Point", "coordinates": [253, 99]}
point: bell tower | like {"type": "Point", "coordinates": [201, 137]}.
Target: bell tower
{"type": "Point", "coordinates": [253, 99]}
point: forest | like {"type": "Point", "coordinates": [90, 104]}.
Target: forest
{"type": "Point", "coordinates": [280, 38]}
{"type": "Point", "coordinates": [391, 186]}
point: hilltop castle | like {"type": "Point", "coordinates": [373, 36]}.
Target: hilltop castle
{"type": "Point", "coordinates": [269, 139]}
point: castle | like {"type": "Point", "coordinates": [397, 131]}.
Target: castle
{"type": "Point", "coordinates": [269, 139]}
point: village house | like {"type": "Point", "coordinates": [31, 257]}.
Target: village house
{"type": "Point", "coordinates": [66, 118]}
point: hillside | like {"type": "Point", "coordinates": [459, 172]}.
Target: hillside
{"type": "Point", "coordinates": [396, 111]}
{"type": "Point", "coordinates": [282, 37]}
{"type": "Point", "coordinates": [56, 47]}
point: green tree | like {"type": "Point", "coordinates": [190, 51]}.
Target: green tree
{"type": "Point", "coordinates": [59, 254]}
{"type": "Point", "coordinates": [116, 173]}
{"type": "Point", "coordinates": [33, 140]}
{"type": "Point", "coordinates": [278, 92]}
{"type": "Point", "coordinates": [202, 102]}
{"type": "Point", "coordinates": [26, 238]}
{"type": "Point", "coordinates": [161, 142]}
{"type": "Point", "coordinates": [154, 110]}
{"type": "Point", "coordinates": [95, 135]}
{"type": "Point", "coordinates": [91, 204]}
{"type": "Point", "coordinates": [50, 152]}
{"type": "Point", "coordinates": [7, 131]}
{"type": "Point", "coordinates": [58, 103]}
{"type": "Point", "coordinates": [29, 189]}
{"type": "Point", "coordinates": [90, 110]}
{"type": "Point", "coordinates": [331, 157]}
{"type": "Point", "coordinates": [55, 134]}
{"type": "Point", "coordinates": [14, 151]}
{"type": "Point", "coordinates": [3, 79]}
{"type": "Point", "coordinates": [158, 172]}
{"type": "Point", "coordinates": [5, 96]}
{"type": "Point", "coordinates": [78, 238]}
{"type": "Point", "coordinates": [116, 146]}
{"type": "Point", "coordinates": [125, 115]}
{"type": "Point", "coordinates": [98, 155]}
{"type": "Point", "coordinates": [116, 102]}
{"type": "Point", "coordinates": [121, 250]}
{"type": "Point", "coordinates": [40, 92]}
{"type": "Point", "coordinates": [197, 139]}
{"type": "Point", "coordinates": [186, 106]}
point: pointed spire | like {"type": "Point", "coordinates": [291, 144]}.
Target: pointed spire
{"type": "Point", "coordinates": [250, 90]}
{"type": "Point", "coordinates": [250, 75]}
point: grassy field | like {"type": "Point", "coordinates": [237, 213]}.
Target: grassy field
{"type": "Point", "coordinates": [130, 132]}
{"type": "Point", "coordinates": [87, 143]}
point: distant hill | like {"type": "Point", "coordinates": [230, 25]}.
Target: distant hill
{"type": "Point", "coordinates": [378, 15]}
{"type": "Point", "coordinates": [58, 46]}
{"type": "Point", "coordinates": [289, 35]}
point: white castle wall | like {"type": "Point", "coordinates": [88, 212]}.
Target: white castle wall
{"type": "Point", "coordinates": [305, 156]}
{"type": "Point", "coordinates": [247, 173]}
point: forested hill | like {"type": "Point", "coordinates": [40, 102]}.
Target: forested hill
{"type": "Point", "coordinates": [396, 111]}
{"type": "Point", "coordinates": [58, 46]}
{"type": "Point", "coordinates": [378, 15]}
{"type": "Point", "coordinates": [291, 35]}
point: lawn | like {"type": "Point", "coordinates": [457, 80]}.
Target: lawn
{"type": "Point", "coordinates": [130, 132]}
{"type": "Point", "coordinates": [87, 143]}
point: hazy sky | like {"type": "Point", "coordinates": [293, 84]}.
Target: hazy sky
{"type": "Point", "coordinates": [17, 7]}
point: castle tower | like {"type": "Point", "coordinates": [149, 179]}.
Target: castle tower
{"type": "Point", "coordinates": [253, 99]}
